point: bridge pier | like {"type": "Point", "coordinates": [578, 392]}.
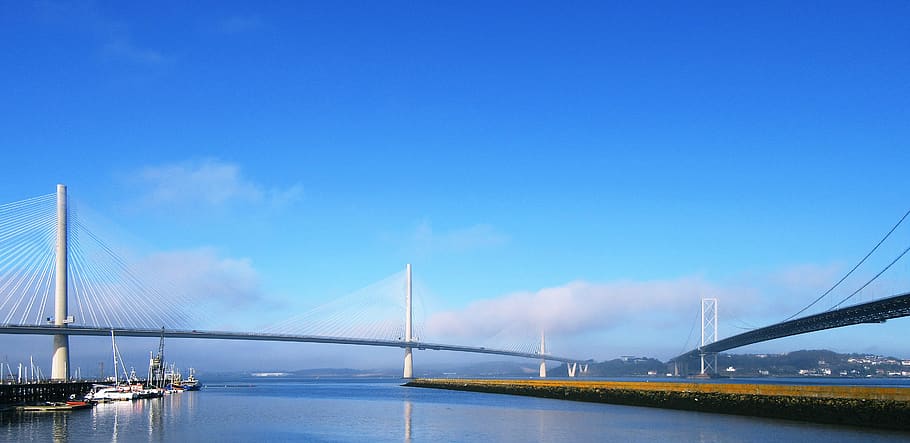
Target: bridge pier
{"type": "Point", "coordinates": [572, 367]}
{"type": "Point", "coordinates": [60, 363]}
{"type": "Point", "coordinates": [543, 351]}
{"type": "Point", "coordinates": [408, 364]}
{"type": "Point", "coordinates": [707, 366]}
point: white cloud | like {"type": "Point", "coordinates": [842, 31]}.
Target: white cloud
{"type": "Point", "coordinates": [426, 240]}
{"type": "Point", "coordinates": [124, 48]}
{"type": "Point", "coordinates": [209, 183]}
{"type": "Point", "coordinates": [239, 24]}
{"type": "Point", "coordinates": [203, 274]}
{"type": "Point", "coordinates": [213, 290]}
{"type": "Point", "coordinates": [115, 37]}
{"type": "Point", "coordinates": [581, 307]}
{"type": "Point", "coordinates": [808, 277]}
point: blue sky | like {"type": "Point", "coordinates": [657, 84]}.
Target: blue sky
{"type": "Point", "coordinates": [624, 159]}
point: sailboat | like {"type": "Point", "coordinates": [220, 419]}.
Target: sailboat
{"type": "Point", "coordinates": [104, 393]}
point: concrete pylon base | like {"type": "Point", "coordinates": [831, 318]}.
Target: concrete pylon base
{"type": "Point", "coordinates": [408, 364]}
{"type": "Point", "coordinates": [60, 365]}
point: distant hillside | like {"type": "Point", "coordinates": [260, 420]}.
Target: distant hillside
{"type": "Point", "coordinates": [793, 364]}
{"type": "Point", "coordinates": [623, 367]}
{"type": "Point", "coordinates": [805, 363]}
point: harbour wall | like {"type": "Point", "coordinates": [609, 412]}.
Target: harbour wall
{"type": "Point", "coordinates": [35, 393]}
{"type": "Point", "coordinates": [885, 408]}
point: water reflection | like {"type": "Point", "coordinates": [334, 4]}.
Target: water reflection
{"type": "Point", "coordinates": [407, 420]}
{"type": "Point", "coordinates": [155, 415]}
{"type": "Point", "coordinates": [123, 417]}
{"type": "Point", "coordinates": [358, 411]}
{"type": "Point", "coordinates": [59, 427]}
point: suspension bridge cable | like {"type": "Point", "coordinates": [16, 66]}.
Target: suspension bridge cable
{"type": "Point", "coordinates": [870, 280]}
{"type": "Point", "coordinates": [853, 269]}
{"type": "Point", "coordinates": [691, 330]}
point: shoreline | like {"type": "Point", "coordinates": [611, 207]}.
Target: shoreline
{"type": "Point", "coordinates": [875, 407]}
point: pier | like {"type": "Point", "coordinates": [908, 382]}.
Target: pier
{"type": "Point", "coordinates": [35, 393]}
{"type": "Point", "coordinates": [879, 407]}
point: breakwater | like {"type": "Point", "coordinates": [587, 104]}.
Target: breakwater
{"type": "Point", "coordinates": [886, 408]}
{"type": "Point", "coordinates": [35, 393]}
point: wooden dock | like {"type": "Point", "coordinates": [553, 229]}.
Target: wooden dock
{"type": "Point", "coordinates": [37, 393]}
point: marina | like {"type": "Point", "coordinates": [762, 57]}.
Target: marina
{"type": "Point", "coordinates": [46, 396]}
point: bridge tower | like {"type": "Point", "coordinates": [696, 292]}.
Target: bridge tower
{"type": "Point", "coordinates": [708, 334]}
{"type": "Point", "coordinates": [60, 367]}
{"type": "Point", "coordinates": [543, 351]}
{"type": "Point", "coordinates": [408, 358]}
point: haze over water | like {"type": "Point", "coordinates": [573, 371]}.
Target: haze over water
{"type": "Point", "coordinates": [349, 410]}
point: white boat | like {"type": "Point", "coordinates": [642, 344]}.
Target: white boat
{"type": "Point", "coordinates": [101, 393]}
{"type": "Point", "coordinates": [110, 393]}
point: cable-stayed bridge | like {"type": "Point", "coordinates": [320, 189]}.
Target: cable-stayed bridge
{"type": "Point", "coordinates": [59, 278]}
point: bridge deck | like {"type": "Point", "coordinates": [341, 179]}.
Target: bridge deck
{"type": "Point", "coordinates": [225, 335]}
{"type": "Point", "coordinates": [877, 311]}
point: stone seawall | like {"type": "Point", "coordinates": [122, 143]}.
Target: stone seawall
{"type": "Point", "coordinates": [886, 408]}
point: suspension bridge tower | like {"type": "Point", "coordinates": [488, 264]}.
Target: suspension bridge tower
{"type": "Point", "coordinates": [708, 334]}
{"type": "Point", "coordinates": [60, 367]}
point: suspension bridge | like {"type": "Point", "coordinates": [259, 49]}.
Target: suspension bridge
{"type": "Point", "coordinates": [873, 312]}
{"type": "Point", "coordinates": [51, 260]}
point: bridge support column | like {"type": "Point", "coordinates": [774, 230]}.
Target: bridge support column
{"type": "Point", "coordinates": [543, 351]}
{"type": "Point", "coordinates": [408, 357]}
{"type": "Point", "coordinates": [707, 365]}
{"type": "Point", "coordinates": [572, 367]}
{"type": "Point", "coordinates": [408, 364]}
{"type": "Point", "coordinates": [61, 360]}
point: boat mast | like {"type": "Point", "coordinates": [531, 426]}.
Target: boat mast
{"type": "Point", "coordinates": [114, 353]}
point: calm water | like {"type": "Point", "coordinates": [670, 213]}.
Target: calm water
{"type": "Point", "coordinates": [381, 410]}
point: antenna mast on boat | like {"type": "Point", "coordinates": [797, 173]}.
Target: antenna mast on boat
{"type": "Point", "coordinates": [156, 369]}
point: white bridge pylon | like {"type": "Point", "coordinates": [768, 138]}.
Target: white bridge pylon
{"type": "Point", "coordinates": [60, 364]}
{"type": "Point", "coordinates": [408, 357]}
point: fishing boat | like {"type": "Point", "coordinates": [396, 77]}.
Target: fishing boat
{"type": "Point", "coordinates": [176, 382]}
{"type": "Point", "coordinates": [191, 383]}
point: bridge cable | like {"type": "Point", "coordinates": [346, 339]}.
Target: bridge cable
{"type": "Point", "coordinates": [854, 269]}
{"type": "Point", "coordinates": [691, 330]}
{"type": "Point", "coordinates": [870, 280]}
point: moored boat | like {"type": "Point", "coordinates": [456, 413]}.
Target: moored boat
{"type": "Point", "coordinates": [191, 383]}
{"type": "Point", "coordinates": [55, 406]}
{"type": "Point", "coordinates": [102, 393]}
